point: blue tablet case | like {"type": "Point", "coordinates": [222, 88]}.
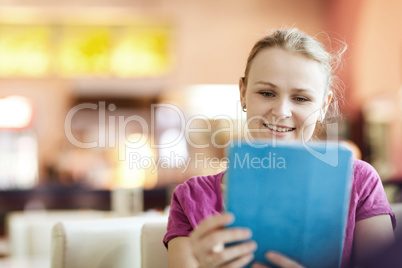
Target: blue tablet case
{"type": "Point", "coordinates": [293, 201]}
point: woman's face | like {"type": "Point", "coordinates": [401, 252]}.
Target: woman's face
{"type": "Point", "coordinates": [285, 95]}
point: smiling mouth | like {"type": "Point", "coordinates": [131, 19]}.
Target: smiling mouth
{"type": "Point", "coordinates": [278, 129]}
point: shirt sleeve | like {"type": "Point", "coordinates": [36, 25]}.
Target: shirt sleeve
{"type": "Point", "coordinates": [178, 223]}
{"type": "Point", "coordinates": [372, 198]}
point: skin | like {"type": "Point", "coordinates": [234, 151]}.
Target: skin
{"type": "Point", "coordinates": [286, 90]}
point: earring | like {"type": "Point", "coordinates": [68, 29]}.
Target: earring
{"type": "Point", "coordinates": [244, 108]}
{"type": "Point", "coordinates": [321, 118]}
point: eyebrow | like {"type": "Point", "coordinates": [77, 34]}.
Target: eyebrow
{"type": "Point", "coordinates": [299, 90]}
{"type": "Point", "coordinates": [302, 90]}
{"type": "Point", "coordinates": [265, 84]}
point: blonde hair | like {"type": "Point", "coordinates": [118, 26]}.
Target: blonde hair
{"type": "Point", "coordinates": [296, 41]}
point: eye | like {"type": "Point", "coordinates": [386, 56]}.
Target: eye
{"type": "Point", "coordinates": [267, 94]}
{"type": "Point", "coordinates": [301, 99]}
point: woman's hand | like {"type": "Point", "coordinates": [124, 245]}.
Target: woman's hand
{"type": "Point", "coordinates": [279, 260]}
{"type": "Point", "coordinates": [208, 240]}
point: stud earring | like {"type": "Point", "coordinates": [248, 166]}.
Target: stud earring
{"type": "Point", "coordinates": [321, 118]}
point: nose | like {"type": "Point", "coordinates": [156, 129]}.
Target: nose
{"type": "Point", "coordinates": [282, 109]}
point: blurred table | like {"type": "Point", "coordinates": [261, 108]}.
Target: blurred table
{"type": "Point", "coordinates": [24, 263]}
{"type": "Point", "coordinates": [69, 198]}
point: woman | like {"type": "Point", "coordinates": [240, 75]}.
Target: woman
{"type": "Point", "coordinates": [286, 91]}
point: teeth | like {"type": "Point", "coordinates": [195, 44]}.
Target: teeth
{"type": "Point", "coordinates": [279, 129]}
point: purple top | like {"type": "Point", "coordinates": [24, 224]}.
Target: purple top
{"type": "Point", "coordinates": [201, 196]}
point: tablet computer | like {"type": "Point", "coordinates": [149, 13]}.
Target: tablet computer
{"type": "Point", "coordinates": [294, 197]}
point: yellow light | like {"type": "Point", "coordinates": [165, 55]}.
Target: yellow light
{"type": "Point", "coordinates": [139, 171]}
{"type": "Point", "coordinates": [24, 51]}
{"type": "Point", "coordinates": [84, 51]}
{"type": "Point", "coordinates": [77, 51]}
{"type": "Point", "coordinates": [141, 53]}
{"type": "Point", "coordinates": [18, 110]}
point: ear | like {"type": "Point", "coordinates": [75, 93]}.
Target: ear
{"type": "Point", "coordinates": [325, 105]}
{"type": "Point", "coordinates": [242, 89]}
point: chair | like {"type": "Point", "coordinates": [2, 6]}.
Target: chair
{"type": "Point", "coordinates": [100, 243]}
{"type": "Point", "coordinates": [29, 232]}
{"type": "Point", "coordinates": [153, 252]}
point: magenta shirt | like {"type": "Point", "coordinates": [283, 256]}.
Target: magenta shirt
{"type": "Point", "coordinates": [201, 196]}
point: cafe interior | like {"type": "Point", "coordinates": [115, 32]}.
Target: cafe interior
{"type": "Point", "coordinates": [107, 105]}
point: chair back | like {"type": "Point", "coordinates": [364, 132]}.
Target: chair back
{"type": "Point", "coordinates": [102, 243]}
{"type": "Point", "coordinates": [29, 232]}
{"type": "Point", "coordinates": [153, 252]}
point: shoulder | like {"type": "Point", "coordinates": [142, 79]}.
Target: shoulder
{"type": "Point", "coordinates": [362, 167]}
{"type": "Point", "coordinates": [366, 180]}
{"type": "Point", "coordinates": [199, 187]}
{"type": "Point", "coordinates": [369, 192]}
{"type": "Point", "coordinates": [197, 198]}
{"type": "Point", "coordinates": [364, 173]}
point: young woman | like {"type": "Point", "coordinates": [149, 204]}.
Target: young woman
{"type": "Point", "coordinates": [286, 91]}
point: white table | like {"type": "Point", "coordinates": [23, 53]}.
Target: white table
{"type": "Point", "coordinates": [36, 262]}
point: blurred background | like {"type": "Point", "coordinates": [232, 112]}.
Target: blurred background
{"type": "Point", "coordinates": [84, 83]}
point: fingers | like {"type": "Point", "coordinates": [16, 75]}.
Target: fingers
{"type": "Point", "coordinates": [224, 236]}
{"type": "Point", "coordinates": [258, 265]}
{"type": "Point", "coordinates": [209, 238]}
{"type": "Point", "coordinates": [210, 235]}
{"type": "Point", "coordinates": [240, 262]}
{"type": "Point", "coordinates": [234, 257]}
{"type": "Point", "coordinates": [281, 260]}
{"type": "Point", "coordinates": [241, 251]}
{"type": "Point", "coordinates": [211, 251]}
{"type": "Point", "coordinates": [211, 223]}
